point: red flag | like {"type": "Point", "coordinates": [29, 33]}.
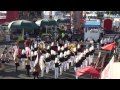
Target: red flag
{"type": "Point", "coordinates": [109, 46]}
{"type": "Point", "coordinates": [88, 70]}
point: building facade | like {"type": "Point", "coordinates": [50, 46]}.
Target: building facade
{"type": "Point", "coordinates": [77, 19]}
{"type": "Point", "coordinates": [10, 16]}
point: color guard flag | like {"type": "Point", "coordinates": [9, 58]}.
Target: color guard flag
{"type": "Point", "coordinates": [109, 47]}
{"type": "Point", "coordinates": [88, 70]}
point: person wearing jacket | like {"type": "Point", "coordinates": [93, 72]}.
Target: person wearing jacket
{"type": "Point", "coordinates": [57, 64]}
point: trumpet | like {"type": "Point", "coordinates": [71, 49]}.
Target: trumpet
{"type": "Point", "coordinates": [72, 51]}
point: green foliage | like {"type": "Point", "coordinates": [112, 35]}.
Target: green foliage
{"type": "Point", "coordinates": [20, 40]}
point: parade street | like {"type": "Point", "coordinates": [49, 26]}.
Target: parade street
{"type": "Point", "coordinates": [59, 44]}
{"type": "Point", "coordinates": [10, 73]}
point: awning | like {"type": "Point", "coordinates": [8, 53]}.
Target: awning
{"type": "Point", "coordinates": [92, 23]}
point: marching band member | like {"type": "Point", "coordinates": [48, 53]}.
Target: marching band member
{"type": "Point", "coordinates": [59, 50]}
{"type": "Point", "coordinates": [68, 58]}
{"type": "Point", "coordinates": [32, 48]}
{"type": "Point", "coordinates": [52, 45]}
{"type": "Point", "coordinates": [53, 55]}
{"type": "Point", "coordinates": [35, 46]}
{"type": "Point", "coordinates": [32, 61]}
{"type": "Point", "coordinates": [2, 59]}
{"type": "Point", "coordinates": [102, 42]}
{"type": "Point", "coordinates": [61, 44]}
{"type": "Point", "coordinates": [62, 49]}
{"type": "Point", "coordinates": [10, 54]}
{"type": "Point", "coordinates": [47, 60]}
{"type": "Point", "coordinates": [61, 59]}
{"type": "Point", "coordinates": [23, 57]}
{"type": "Point", "coordinates": [17, 62]}
{"type": "Point", "coordinates": [65, 61]}
{"type": "Point", "coordinates": [86, 60]}
{"type": "Point", "coordinates": [57, 64]}
{"type": "Point", "coordinates": [65, 47]}
{"type": "Point", "coordinates": [27, 61]}
{"type": "Point", "coordinates": [27, 66]}
{"type": "Point", "coordinates": [48, 49]}
{"type": "Point", "coordinates": [16, 59]}
{"type": "Point", "coordinates": [111, 40]}
{"type": "Point", "coordinates": [28, 51]}
{"type": "Point", "coordinates": [105, 41]}
{"type": "Point", "coordinates": [82, 59]}
{"type": "Point", "coordinates": [91, 54]}
{"type": "Point", "coordinates": [35, 55]}
{"type": "Point", "coordinates": [71, 58]}
{"type": "Point", "coordinates": [78, 48]}
{"type": "Point", "coordinates": [76, 66]}
{"type": "Point", "coordinates": [75, 53]}
{"type": "Point", "coordinates": [98, 46]}
{"type": "Point", "coordinates": [37, 68]}
{"type": "Point", "coordinates": [84, 53]}
{"type": "Point", "coordinates": [90, 50]}
{"type": "Point", "coordinates": [108, 40]}
{"type": "Point", "coordinates": [42, 64]}
{"type": "Point", "coordinates": [93, 50]}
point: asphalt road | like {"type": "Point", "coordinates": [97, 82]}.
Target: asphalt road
{"type": "Point", "coordinates": [10, 73]}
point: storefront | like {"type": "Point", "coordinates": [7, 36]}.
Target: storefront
{"type": "Point", "coordinates": [8, 16]}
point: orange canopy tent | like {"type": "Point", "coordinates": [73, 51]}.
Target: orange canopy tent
{"type": "Point", "coordinates": [109, 47]}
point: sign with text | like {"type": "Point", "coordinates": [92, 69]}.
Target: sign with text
{"type": "Point", "coordinates": [3, 14]}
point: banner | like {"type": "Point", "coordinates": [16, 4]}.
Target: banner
{"type": "Point", "coordinates": [106, 73]}
{"type": "Point", "coordinates": [3, 14]}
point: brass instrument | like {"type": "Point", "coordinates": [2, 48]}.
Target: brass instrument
{"type": "Point", "coordinates": [42, 46]}
{"type": "Point", "coordinates": [71, 47]}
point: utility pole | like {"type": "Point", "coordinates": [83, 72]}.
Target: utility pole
{"type": "Point", "coordinates": [78, 19]}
